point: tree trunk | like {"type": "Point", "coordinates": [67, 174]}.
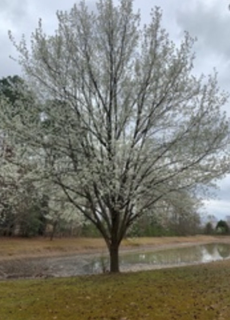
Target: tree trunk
{"type": "Point", "coordinates": [114, 258]}
{"type": "Point", "coordinates": [53, 230]}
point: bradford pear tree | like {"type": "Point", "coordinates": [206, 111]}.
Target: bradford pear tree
{"type": "Point", "coordinates": [131, 124]}
{"type": "Point", "coordinates": [61, 211]}
{"type": "Point", "coordinates": [178, 213]}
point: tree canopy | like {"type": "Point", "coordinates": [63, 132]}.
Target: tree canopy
{"type": "Point", "coordinates": [222, 227]}
{"type": "Point", "coordinates": [131, 124]}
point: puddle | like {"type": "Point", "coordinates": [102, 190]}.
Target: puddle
{"type": "Point", "coordinates": [164, 258]}
{"type": "Point", "coordinates": [91, 264]}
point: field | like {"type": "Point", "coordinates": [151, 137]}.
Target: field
{"type": "Point", "coordinates": [198, 292]}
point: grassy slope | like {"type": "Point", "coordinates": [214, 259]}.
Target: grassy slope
{"type": "Point", "coordinates": [200, 292]}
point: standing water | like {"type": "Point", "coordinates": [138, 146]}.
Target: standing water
{"type": "Point", "coordinates": [160, 259]}
{"type": "Point", "coordinates": [89, 264]}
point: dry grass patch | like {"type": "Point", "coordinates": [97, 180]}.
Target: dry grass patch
{"type": "Point", "coordinates": [14, 248]}
{"type": "Point", "coordinates": [19, 247]}
{"type": "Point", "coordinates": [158, 241]}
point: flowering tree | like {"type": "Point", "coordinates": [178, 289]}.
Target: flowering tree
{"type": "Point", "coordinates": [130, 124]}
{"type": "Point", "coordinates": [178, 214]}
{"type": "Point", "coordinates": [62, 210]}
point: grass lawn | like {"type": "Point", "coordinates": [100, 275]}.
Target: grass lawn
{"type": "Point", "coordinates": [188, 293]}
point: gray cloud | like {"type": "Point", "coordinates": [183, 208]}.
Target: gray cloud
{"type": "Point", "coordinates": [223, 191]}
{"type": "Point", "coordinates": [21, 17]}
{"type": "Point", "coordinates": [218, 208]}
{"type": "Point", "coordinates": [13, 16]}
{"type": "Point", "coordinates": [210, 23]}
{"type": "Point", "coordinates": [13, 11]}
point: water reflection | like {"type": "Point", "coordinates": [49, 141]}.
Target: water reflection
{"type": "Point", "coordinates": [172, 257]}
{"type": "Point", "coordinates": [224, 251]}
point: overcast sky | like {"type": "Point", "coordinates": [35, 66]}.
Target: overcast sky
{"type": "Point", "coordinates": [208, 20]}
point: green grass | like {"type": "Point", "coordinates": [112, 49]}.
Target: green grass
{"type": "Point", "coordinates": [198, 292]}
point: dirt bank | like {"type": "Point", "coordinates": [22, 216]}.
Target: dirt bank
{"type": "Point", "coordinates": [19, 248]}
